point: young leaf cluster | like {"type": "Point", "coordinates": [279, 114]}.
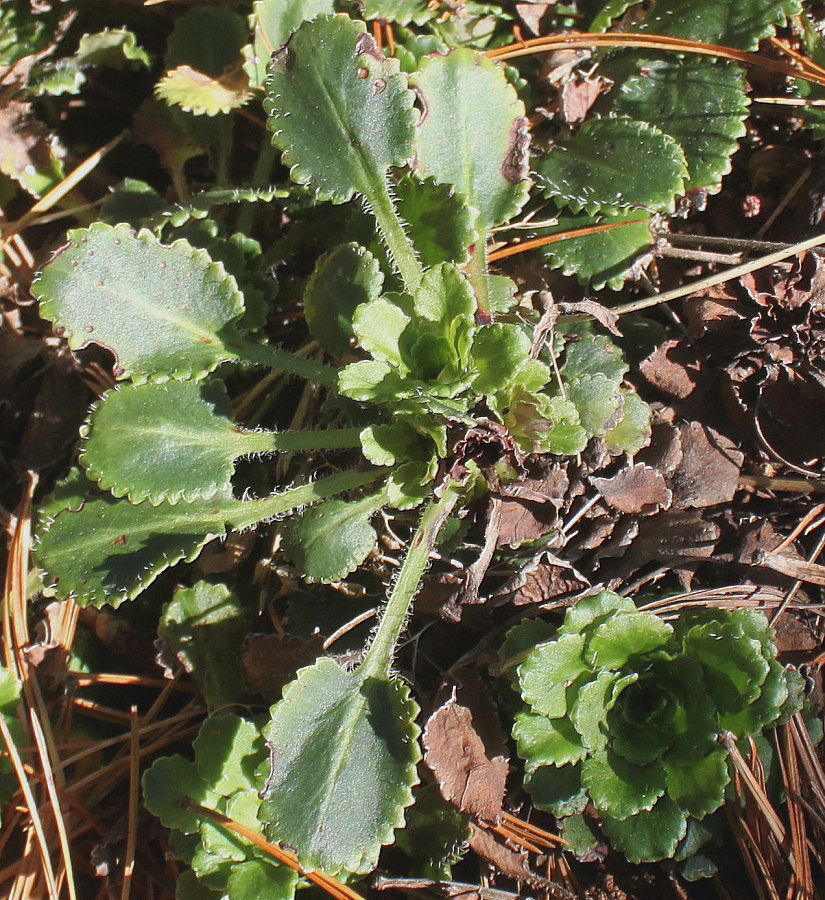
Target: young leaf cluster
{"type": "Point", "coordinates": [225, 776]}
{"type": "Point", "coordinates": [625, 710]}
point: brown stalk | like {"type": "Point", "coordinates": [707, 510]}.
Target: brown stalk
{"type": "Point", "coordinates": [37, 824]}
{"type": "Point", "coordinates": [803, 68]}
{"type": "Point", "coordinates": [134, 795]}
{"type": "Point", "coordinates": [786, 752]}
{"type": "Point", "coordinates": [524, 246]}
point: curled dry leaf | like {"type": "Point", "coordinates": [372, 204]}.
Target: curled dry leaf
{"type": "Point", "coordinates": [671, 369]}
{"type": "Point", "coordinates": [579, 94]}
{"type": "Point", "coordinates": [639, 490]}
{"type": "Point", "coordinates": [457, 756]}
{"type": "Point", "coordinates": [709, 471]}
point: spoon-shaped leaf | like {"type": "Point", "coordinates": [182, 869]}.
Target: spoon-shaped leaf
{"type": "Point", "coordinates": [343, 115]}
{"type": "Point", "coordinates": [343, 745]}
{"type": "Point", "coordinates": [472, 134]}
{"type": "Point", "coordinates": [176, 441]}
{"type": "Point", "coordinates": [109, 550]}
{"type": "Point", "coordinates": [341, 112]}
{"type": "Point", "coordinates": [164, 311]}
{"type": "Point", "coordinates": [344, 751]}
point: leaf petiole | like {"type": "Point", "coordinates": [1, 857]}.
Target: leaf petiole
{"type": "Point", "coordinates": [379, 655]}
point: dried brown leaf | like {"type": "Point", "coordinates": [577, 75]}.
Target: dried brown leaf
{"type": "Point", "coordinates": [639, 490]}
{"type": "Point", "coordinates": [457, 756]}
{"type": "Point", "coordinates": [709, 471]}
{"type": "Point", "coordinates": [671, 369]}
{"type": "Point", "coordinates": [508, 862]}
{"type": "Point", "coordinates": [579, 94]}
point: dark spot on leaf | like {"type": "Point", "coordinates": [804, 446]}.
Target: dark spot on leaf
{"type": "Point", "coordinates": [120, 540]}
{"type": "Point", "coordinates": [378, 86]}
{"type": "Point", "coordinates": [60, 331]}
{"type": "Point", "coordinates": [366, 45]}
{"type": "Point", "coordinates": [89, 328]}
{"type": "Point", "coordinates": [363, 72]}
{"type": "Point", "coordinates": [206, 340]}
{"type": "Point", "coordinates": [516, 164]}
{"type": "Point", "coordinates": [119, 371]}
{"type": "Point", "coordinates": [283, 60]}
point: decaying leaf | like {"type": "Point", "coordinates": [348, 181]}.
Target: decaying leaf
{"type": "Point", "coordinates": [709, 471]}
{"type": "Point", "coordinates": [455, 752]}
{"type": "Point", "coordinates": [639, 490]}
{"type": "Point", "coordinates": [198, 93]}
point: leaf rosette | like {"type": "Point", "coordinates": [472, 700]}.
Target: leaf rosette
{"type": "Point", "coordinates": [624, 709]}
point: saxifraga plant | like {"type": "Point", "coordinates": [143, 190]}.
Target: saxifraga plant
{"type": "Point", "coordinates": [626, 710]}
{"type": "Point", "coordinates": [444, 363]}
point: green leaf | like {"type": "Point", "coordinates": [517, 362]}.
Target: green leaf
{"type": "Point", "coordinates": [273, 22]}
{"type": "Point", "coordinates": [589, 353]}
{"type": "Point", "coordinates": [199, 205]}
{"type": "Point", "coordinates": [223, 748]}
{"type": "Point", "coordinates": [741, 24]}
{"type": "Point", "coordinates": [343, 279]}
{"type": "Point", "coordinates": [599, 402]}
{"type": "Point", "coordinates": [170, 442]}
{"type": "Point", "coordinates": [566, 436]}
{"type": "Point", "coordinates": [588, 711]}
{"type": "Point", "coordinates": [171, 301]}
{"type": "Point", "coordinates": [546, 742]}
{"type": "Point", "coordinates": [372, 379]}
{"type": "Point", "coordinates": [112, 47]}
{"type": "Point", "coordinates": [604, 258]}
{"type": "Point", "coordinates": [735, 667]}
{"type": "Point", "coordinates": [259, 878]}
{"type": "Point", "coordinates": [609, 11]}
{"type": "Point", "coordinates": [388, 445]}
{"type": "Point", "coordinates": [201, 95]}
{"type": "Point", "coordinates": [673, 94]}
{"type": "Point", "coordinates": [699, 788]}
{"type": "Point", "coordinates": [650, 835]}
{"type": "Point", "coordinates": [614, 164]}
{"type": "Point", "coordinates": [207, 38]}
{"type": "Point", "coordinates": [549, 670]}
{"type": "Point", "coordinates": [401, 12]}
{"type": "Point", "coordinates": [203, 56]}
{"type": "Point", "coordinates": [166, 782]}
{"type": "Point", "coordinates": [441, 222]}
{"type": "Point", "coordinates": [176, 441]}
{"type": "Point", "coordinates": [190, 887]}
{"type": "Point", "coordinates": [619, 788]}
{"type": "Point", "coordinates": [612, 643]}
{"type": "Point", "coordinates": [110, 550]}
{"type": "Point", "coordinates": [435, 835]}
{"type": "Point", "coordinates": [557, 790]}
{"type": "Point", "coordinates": [634, 430]}
{"type": "Point", "coordinates": [330, 540]}
{"type": "Point", "coordinates": [344, 752]}
{"type": "Point", "coordinates": [498, 351]}
{"type": "Point", "coordinates": [472, 133]}
{"type": "Point", "coordinates": [581, 835]}
{"type": "Point", "coordinates": [201, 624]}
{"type": "Point", "coordinates": [378, 326]}
{"type": "Point", "coordinates": [362, 111]}
{"type": "Point", "coordinates": [594, 608]}
{"type": "Point", "coordinates": [174, 305]}
{"type": "Point", "coordinates": [9, 692]}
